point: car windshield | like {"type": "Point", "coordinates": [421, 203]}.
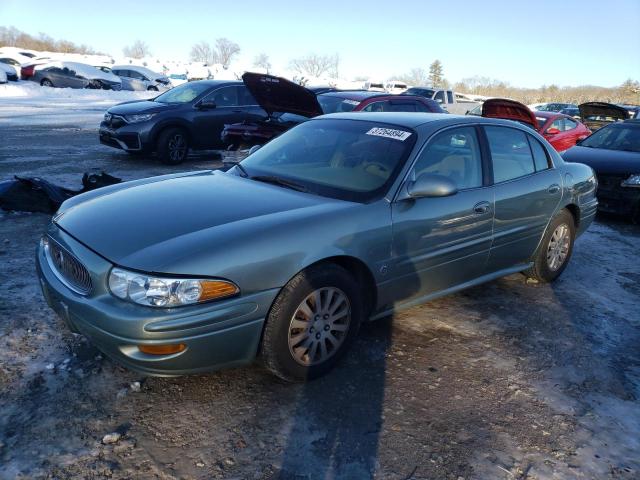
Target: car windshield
{"type": "Point", "coordinates": [346, 159]}
{"type": "Point", "coordinates": [333, 104]}
{"type": "Point", "coordinates": [184, 93]}
{"type": "Point", "coordinates": [615, 137]}
{"type": "Point", "coordinates": [425, 92]}
{"type": "Point", "coordinates": [176, 76]}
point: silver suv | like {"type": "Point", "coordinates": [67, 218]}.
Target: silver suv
{"type": "Point", "coordinates": [135, 77]}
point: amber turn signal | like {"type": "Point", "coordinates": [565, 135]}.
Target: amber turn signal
{"type": "Point", "coordinates": [212, 289]}
{"type": "Point", "coordinates": [162, 349]}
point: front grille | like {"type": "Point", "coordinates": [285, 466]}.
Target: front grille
{"type": "Point", "coordinates": [68, 268]}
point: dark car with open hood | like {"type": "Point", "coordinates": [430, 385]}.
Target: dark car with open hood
{"type": "Point", "coordinates": [188, 117]}
{"type": "Point", "coordinates": [596, 115]}
{"type": "Point", "coordinates": [614, 154]}
{"type": "Point", "coordinates": [288, 104]}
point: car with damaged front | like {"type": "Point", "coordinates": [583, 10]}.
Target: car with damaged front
{"type": "Point", "coordinates": [342, 219]}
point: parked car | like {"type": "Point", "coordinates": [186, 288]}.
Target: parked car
{"type": "Point", "coordinates": [374, 86]}
{"type": "Point", "coordinates": [395, 87]}
{"type": "Point", "coordinates": [573, 112]}
{"type": "Point", "coordinates": [9, 71]}
{"type": "Point", "coordinates": [288, 104]}
{"type": "Point", "coordinates": [11, 60]}
{"type": "Point", "coordinates": [134, 77]}
{"type": "Point", "coordinates": [554, 107]}
{"type": "Point", "coordinates": [190, 116]}
{"type": "Point", "coordinates": [3, 76]}
{"type": "Point", "coordinates": [448, 99]}
{"type": "Point", "coordinates": [178, 79]}
{"type": "Point", "coordinates": [73, 75]}
{"type": "Point", "coordinates": [342, 219]}
{"type": "Point", "coordinates": [561, 131]}
{"type": "Point", "coordinates": [614, 153]}
{"type": "Point", "coordinates": [633, 110]}
{"type": "Point", "coordinates": [596, 115]}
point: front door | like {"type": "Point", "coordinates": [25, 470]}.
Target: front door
{"type": "Point", "coordinates": [527, 191]}
{"type": "Point", "coordinates": [442, 242]}
{"type": "Point", "coordinates": [209, 123]}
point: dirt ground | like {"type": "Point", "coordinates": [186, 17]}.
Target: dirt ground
{"type": "Point", "coordinates": [507, 380]}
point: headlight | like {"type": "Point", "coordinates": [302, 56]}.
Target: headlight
{"type": "Point", "coordinates": [632, 181]}
{"type": "Point", "coordinates": [167, 292]}
{"type": "Point", "coordinates": [143, 117]}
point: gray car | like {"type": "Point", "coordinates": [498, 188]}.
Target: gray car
{"type": "Point", "coordinates": [74, 75]}
{"type": "Point", "coordinates": [141, 78]}
{"type": "Point", "coordinates": [344, 218]}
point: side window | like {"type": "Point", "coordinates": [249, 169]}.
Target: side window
{"type": "Point", "coordinates": [400, 107]}
{"type": "Point", "coordinates": [421, 107]}
{"type": "Point", "coordinates": [569, 124]}
{"type": "Point", "coordinates": [454, 154]}
{"type": "Point", "coordinates": [558, 125]}
{"type": "Point", "coordinates": [540, 157]}
{"type": "Point", "coordinates": [510, 153]}
{"type": "Point", "coordinates": [225, 97]}
{"type": "Point", "coordinates": [376, 107]}
{"type": "Point", "coordinates": [449, 96]}
{"type": "Point", "coordinates": [245, 97]}
{"type": "Point", "coordinates": [439, 96]}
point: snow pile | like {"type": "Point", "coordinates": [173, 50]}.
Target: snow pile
{"type": "Point", "coordinates": [26, 93]}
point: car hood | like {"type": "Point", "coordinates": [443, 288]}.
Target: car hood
{"type": "Point", "coordinates": [148, 224]}
{"type": "Point", "coordinates": [611, 162]}
{"type": "Point", "coordinates": [510, 110]}
{"type": "Point", "coordinates": [277, 94]}
{"type": "Point", "coordinates": [603, 109]}
{"type": "Point", "coordinates": [138, 106]}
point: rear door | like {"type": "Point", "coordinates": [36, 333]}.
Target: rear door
{"type": "Point", "coordinates": [527, 192]}
{"type": "Point", "coordinates": [127, 81]}
{"type": "Point", "coordinates": [439, 243]}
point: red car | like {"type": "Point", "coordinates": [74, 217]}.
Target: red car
{"type": "Point", "coordinates": [561, 131]}
{"type": "Point", "coordinates": [288, 104]}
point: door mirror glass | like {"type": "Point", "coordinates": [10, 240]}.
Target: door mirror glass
{"type": "Point", "coordinates": [429, 185]}
{"type": "Point", "coordinates": [207, 105]}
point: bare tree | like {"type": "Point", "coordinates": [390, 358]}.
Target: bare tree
{"type": "Point", "coordinates": [203, 52]}
{"type": "Point", "coordinates": [225, 51]}
{"type": "Point", "coordinates": [314, 65]}
{"type": "Point", "coordinates": [415, 77]}
{"type": "Point", "coordinates": [12, 37]}
{"type": "Point", "coordinates": [138, 49]}
{"type": "Point", "coordinates": [262, 61]}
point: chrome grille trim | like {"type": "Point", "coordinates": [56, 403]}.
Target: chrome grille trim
{"type": "Point", "coordinates": [67, 268]}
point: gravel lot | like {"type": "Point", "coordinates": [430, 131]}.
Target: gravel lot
{"type": "Point", "coordinates": [508, 380]}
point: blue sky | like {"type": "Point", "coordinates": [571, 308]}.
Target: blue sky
{"type": "Point", "coordinates": [527, 43]}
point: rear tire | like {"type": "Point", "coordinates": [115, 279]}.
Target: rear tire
{"type": "Point", "coordinates": [312, 322]}
{"type": "Point", "coordinates": [173, 146]}
{"type": "Point", "coordinates": [555, 250]}
{"type": "Point", "coordinates": [152, 89]}
{"type": "Point", "coordinates": [46, 82]}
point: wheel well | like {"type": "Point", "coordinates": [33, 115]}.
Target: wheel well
{"type": "Point", "coordinates": [575, 213]}
{"type": "Point", "coordinates": [362, 275]}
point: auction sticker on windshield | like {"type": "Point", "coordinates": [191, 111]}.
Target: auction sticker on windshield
{"type": "Point", "coordinates": [389, 133]}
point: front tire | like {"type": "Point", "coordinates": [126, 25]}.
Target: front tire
{"type": "Point", "coordinates": [555, 250]}
{"type": "Point", "coordinates": [46, 83]}
{"type": "Point", "coordinates": [173, 146]}
{"type": "Point", "coordinates": [312, 322]}
{"type": "Point", "coordinates": [152, 89]}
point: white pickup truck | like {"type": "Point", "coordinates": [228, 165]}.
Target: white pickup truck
{"type": "Point", "coordinates": [451, 101]}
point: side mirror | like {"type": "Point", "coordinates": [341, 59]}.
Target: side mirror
{"type": "Point", "coordinates": [428, 185]}
{"type": "Point", "coordinates": [553, 131]}
{"type": "Point", "coordinates": [206, 105]}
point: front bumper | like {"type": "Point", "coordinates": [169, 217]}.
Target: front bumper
{"type": "Point", "coordinates": [124, 140]}
{"type": "Point", "coordinates": [613, 198]}
{"type": "Point", "coordinates": [217, 335]}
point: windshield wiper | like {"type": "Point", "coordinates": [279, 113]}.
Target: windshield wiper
{"type": "Point", "coordinates": [243, 171]}
{"type": "Point", "coordinates": [279, 181]}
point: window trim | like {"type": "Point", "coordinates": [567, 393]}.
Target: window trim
{"type": "Point", "coordinates": [531, 138]}
{"type": "Point", "coordinates": [207, 95]}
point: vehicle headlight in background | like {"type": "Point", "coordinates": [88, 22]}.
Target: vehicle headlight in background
{"type": "Point", "coordinates": [632, 181]}
{"type": "Point", "coordinates": [167, 292]}
{"type": "Point", "coordinates": [142, 117]}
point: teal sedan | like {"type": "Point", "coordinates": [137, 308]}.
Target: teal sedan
{"type": "Point", "coordinates": [345, 218]}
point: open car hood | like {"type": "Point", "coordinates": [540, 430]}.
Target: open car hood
{"type": "Point", "coordinates": [602, 109]}
{"type": "Point", "coordinates": [277, 94]}
{"type": "Point", "coordinates": [509, 110]}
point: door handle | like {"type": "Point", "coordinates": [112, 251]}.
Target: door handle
{"type": "Point", "coordinates": [554, 188]}
{"type": "Point", "coordinates": [482, 208]}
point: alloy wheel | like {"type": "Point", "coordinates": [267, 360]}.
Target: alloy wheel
{"type": "Point", "coordinates": [558, 248]}
{"type": "Point", "coordinates": [177, 147]}
{"type": "Point", "coordinates": [319, 326]}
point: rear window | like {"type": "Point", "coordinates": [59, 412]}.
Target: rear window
{"type": "Point", "coordinates": [333, 104]}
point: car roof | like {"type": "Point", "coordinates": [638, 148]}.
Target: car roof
{"type": "Point", "coordinates": [415, 119]}
{"type": "Point", "coordinates": [359, 95]}
{"type": "Point", "coordinates": [548, 115]}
